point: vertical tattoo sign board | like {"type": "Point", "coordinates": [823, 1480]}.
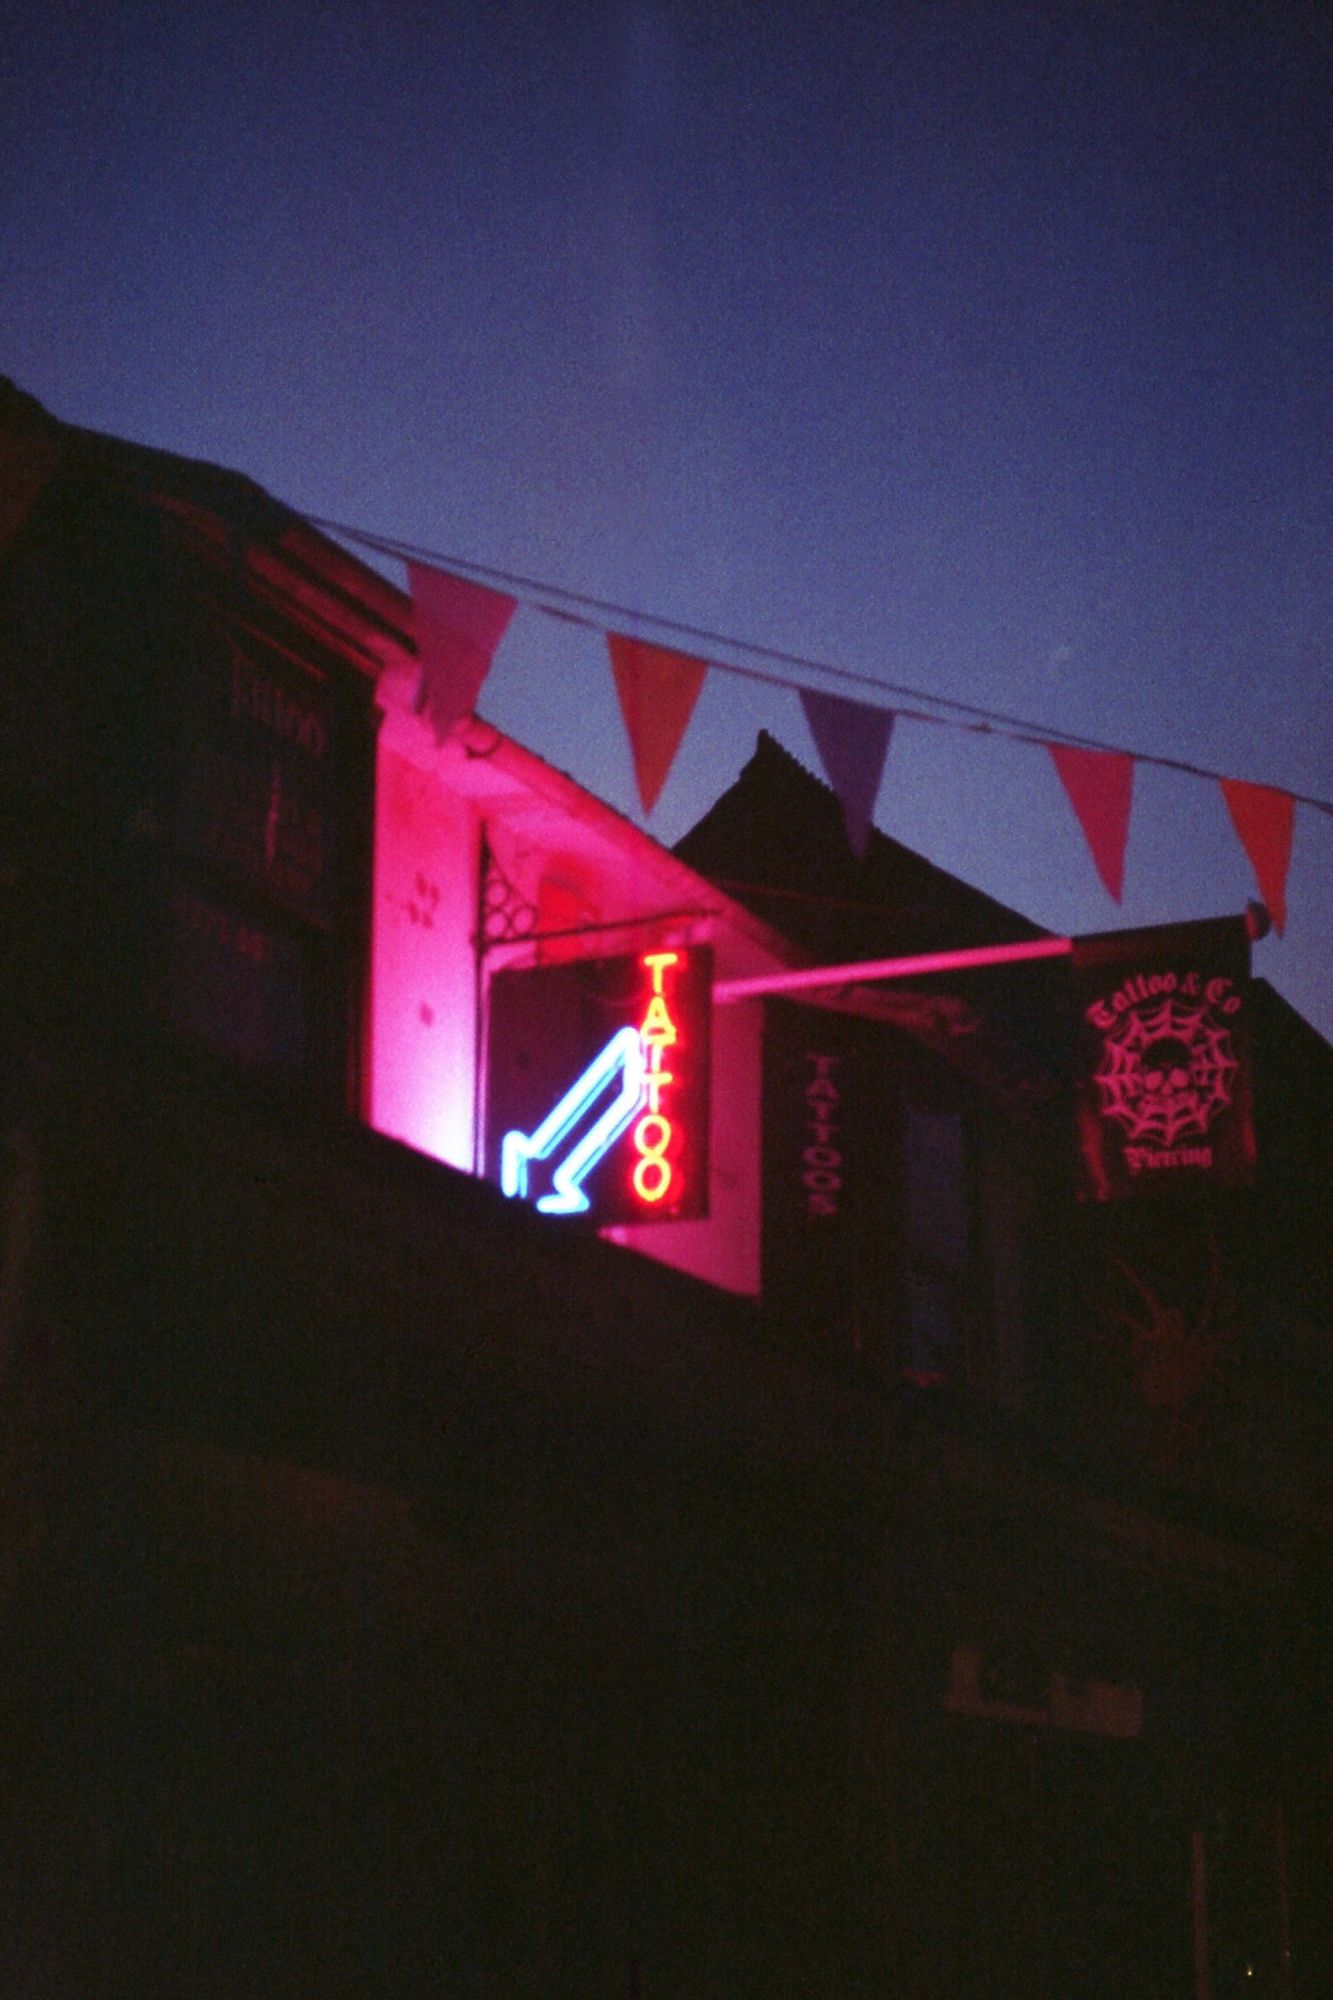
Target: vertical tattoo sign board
{"type": "Point", "coordinates": [1162, 1076]}
{"type": "Point", "coordinates": [814, 1086]}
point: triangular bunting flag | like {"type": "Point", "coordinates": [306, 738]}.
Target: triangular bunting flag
{"type": "Point", "coordinates": [457, 626]}
{"type": "Point", "coordinates": [657, 691]}
{"type": "Point", "coordinates": [1100, 784]}
{"type": "Point", "coordinates": [1264, 819]}
{"type": "Point", "coordinates": [852, 739]}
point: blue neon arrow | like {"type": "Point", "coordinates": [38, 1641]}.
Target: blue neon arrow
{"type": "Point", "coordinates": [623, 1053]}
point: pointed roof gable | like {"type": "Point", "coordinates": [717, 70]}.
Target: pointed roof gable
{"type": "Point", "coordinates": [775, 841]}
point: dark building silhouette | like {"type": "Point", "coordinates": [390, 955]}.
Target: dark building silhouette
{"type": "Point", "coordinates": [402, 1593]}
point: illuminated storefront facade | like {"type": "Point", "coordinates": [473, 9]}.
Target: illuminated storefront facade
{"type": "Point", "coordinates": [877, 1583]}
{"type": "Point", "coordinates": [502, 888]}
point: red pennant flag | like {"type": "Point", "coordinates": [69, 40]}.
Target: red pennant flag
{"type": "Point", "coordinates": [852, 739]}
{"type": "Point", "coordinates": [657, 691]}
{"type": "Point", "coordinates": [27, 460]}
{"type": "Point", "coordinates": [1100, 784]}
{"type": "Point", "coordinates": [1264, 820]}
{"type": "Point", "coordinates": [457, 626]}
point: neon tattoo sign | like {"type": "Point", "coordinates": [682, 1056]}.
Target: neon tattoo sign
{"type": "Point", "coordinates": [626, 1139]}
{"type": "Point", "coordinates": [653, 1174]}
{"type": "Point", "coordinates": [623, 1054]}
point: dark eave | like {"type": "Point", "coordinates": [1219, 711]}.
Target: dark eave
{"type": "Point", "coordinates": [233, 524]}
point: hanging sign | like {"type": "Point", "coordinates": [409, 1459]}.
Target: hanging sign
{"type": "Point", "coordinates": [1162, 1064]}
{"type": "Point", "coordinates": [815, 1121]}
{"type": "Point", "coordinates": [597, 1086]}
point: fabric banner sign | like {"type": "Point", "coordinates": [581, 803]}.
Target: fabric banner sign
{"type": "Point", "coordinates": [1162, 1059]}
{"type": "Point", "coordinates": [457, 627]}
{"type": "Point", "coordinates": [1264, 818]}
{"type": "Point", "coordinates": [1100, 785]}
{"type": "Point", "coordinates": [852, 739]}
{"type": "Point", "coordinates": [657, 691]}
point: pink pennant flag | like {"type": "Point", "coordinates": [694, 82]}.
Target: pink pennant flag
{"type": "Point", "coordinates": [1264, 819]}
{"type": "Point", "coordinates": [657, 691]}
{"type": "Point", "coordinates": [852, 739]}
{"type": "Point", "coordinates": [457, 626]}
{"type": "Point", "coordinates": [1100, 784]}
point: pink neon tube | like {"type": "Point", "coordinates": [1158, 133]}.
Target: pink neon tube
{"type": "Point", "coordinates": [890, 968]}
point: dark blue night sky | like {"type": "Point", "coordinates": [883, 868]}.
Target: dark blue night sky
{"type": "Point", "coordinates": [980, 348]}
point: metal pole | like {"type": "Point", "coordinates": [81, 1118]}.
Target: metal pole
{"type": "Point", "coordinates": [915, 966]}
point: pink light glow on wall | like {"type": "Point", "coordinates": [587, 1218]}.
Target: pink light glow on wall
{"type": "Point", "coordinates": [578, 867]}
{"type": "Point", "coordinates": [421, 1034]}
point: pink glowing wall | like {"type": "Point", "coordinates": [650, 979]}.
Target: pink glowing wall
{"type": "Point", "coordinates": [582, 867]}
{"type": "Point", "coordinates": [421, 1037]}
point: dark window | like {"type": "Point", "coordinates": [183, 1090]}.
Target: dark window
{"type": "Point", "coordinates": [937, 1244]}
{"type": "Point", "coordinates": [966, 1246]}
{"type": "Point", "coordinates": [898, 1207]}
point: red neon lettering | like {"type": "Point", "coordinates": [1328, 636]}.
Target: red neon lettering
{"type": "Point", "coordinates": [653, 1172]}
{"type": "Point", "coordinates": [656, 963]}
{"type": "Point", "coordinates": [652, 1175]}
{"type": "Point", "coordinates": [658, 1025]}
{"type": "Point", "coordinates": [657, 1079]}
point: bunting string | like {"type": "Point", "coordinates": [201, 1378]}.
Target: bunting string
{"type": "Point", "coordinates": [458, 622]}
{"type": "Point", "coordinates": [970, 717]}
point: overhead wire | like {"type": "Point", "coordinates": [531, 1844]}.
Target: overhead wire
{"type": "Point", "coordinates": [970, 717]}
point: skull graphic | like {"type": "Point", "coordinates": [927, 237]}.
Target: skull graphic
{"type": "Point", "coordinates": [1166, 1071]}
